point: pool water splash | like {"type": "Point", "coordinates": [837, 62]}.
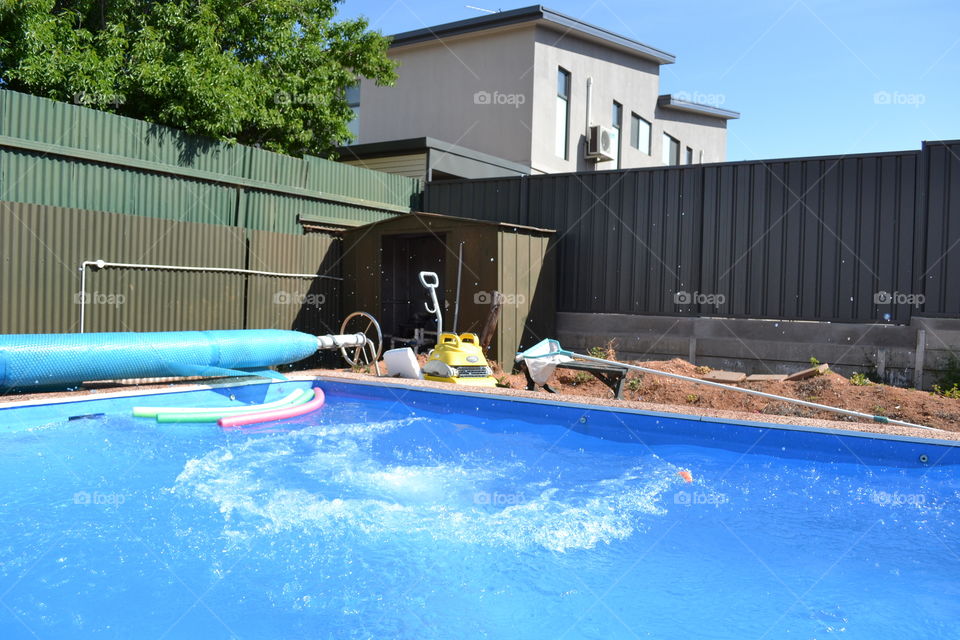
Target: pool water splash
{"type": "Point", "coordinates": [344, 480]}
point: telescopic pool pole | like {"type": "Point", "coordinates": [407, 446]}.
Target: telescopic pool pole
{"type": "Point", "coordinates": [456, 301]}
{"type": "Point", "coordinates": [557, 350]}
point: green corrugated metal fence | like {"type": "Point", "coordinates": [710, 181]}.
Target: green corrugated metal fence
{"type": "Point", "coordinates": [71, 156]}
{"type": "Point", "coordinates": [42, 247]}
{"type": "Point", "coordinates": [78, 184]}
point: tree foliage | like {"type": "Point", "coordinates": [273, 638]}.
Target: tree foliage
{"type": "Point", "coordinates": [266, 72]}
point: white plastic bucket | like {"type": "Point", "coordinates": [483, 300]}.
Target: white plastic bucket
{"type": "Point", "coordinates": [402, 363]}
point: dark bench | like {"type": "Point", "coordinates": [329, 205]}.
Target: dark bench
{"type": "Point", "coordinates": [610, 375]}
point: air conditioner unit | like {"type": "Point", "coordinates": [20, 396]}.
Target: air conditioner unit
{"type": "Point", "coordinates": [602, 143]}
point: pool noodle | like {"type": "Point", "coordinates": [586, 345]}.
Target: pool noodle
{"type": "Point", "coordinates": [299, 397]}
{"type": "Point", "coordinates": [275, 414]}
{"type": "Point", "coordinates": [152, 412]}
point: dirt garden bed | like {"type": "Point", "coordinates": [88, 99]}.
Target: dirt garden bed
{"type": "Point", "coordinates": [920, 407]}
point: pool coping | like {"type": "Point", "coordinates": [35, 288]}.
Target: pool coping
{"type": "Point", "coordinates": [827, 427]}
{"type": "Point", "coordinates": [559, 399]}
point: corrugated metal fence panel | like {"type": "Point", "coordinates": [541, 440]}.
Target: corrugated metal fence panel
{"type": "Point", "coordinates": [274, 168]}
{"type": "Point", "coordinates": [306, 305]}
{"type": "Point", "coordinates": [278, 213]}
{"type": "Point", "coordinates": [808, 239]}
{"type": "Point", "coordinates": [812, 238]}
{"type": "Point", "coordinates": [42, 120]}
{"type": "Point", "coordinates": [56, 181]}
{"type": "Point", "coordinates": [494, 199]}
{"type": "Point", "coordinates": [41, 249]}
{"type": "Point", "coordinates": [358, 182]}
{"type": "Point", "coordinates": [940, 272]}
{"type": "Point", "coordinates": [99, 184]}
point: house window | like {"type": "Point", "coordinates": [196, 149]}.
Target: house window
{"type": "Point", "coordinates": [670, 150]}
{"type": "Point", "coordinates": [639, 133]}
{"type": "Point", "coordinates": [352, 95]}
{"type": "Point", "coordinates": [563, 114]}
{"type": "Point", "coordinates": [689, 155]}
{"type": "Point", "coordinates": [616, 118]}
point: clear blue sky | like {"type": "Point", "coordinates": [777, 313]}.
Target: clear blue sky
{"type": "Point", "coordinates": [810, 77]}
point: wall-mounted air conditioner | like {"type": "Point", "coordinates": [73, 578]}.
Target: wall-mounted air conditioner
{"type": "Point", "coordinates": [602, 143]}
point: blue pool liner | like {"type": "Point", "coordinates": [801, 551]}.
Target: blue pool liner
{"type": "Point", "coordinates": [658, 430]}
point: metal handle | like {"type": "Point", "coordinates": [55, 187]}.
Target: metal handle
{"type": "Point", "coordinates": [425, 276]}
{"type": "Point", "coordinates": [430, 280]}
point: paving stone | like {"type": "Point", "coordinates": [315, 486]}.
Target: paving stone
{"type": "Point", "coordinates": [725, 376]}
{"type": "Point", "coordinates": [766, 377]}
{"type": "Point", "coordinates": [809, 373]}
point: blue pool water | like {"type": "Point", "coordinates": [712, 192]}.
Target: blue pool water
{"type": "Point", "coordinates": [407, 514]}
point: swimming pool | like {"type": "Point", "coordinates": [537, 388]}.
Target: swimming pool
{"type": "Point", "coordinates": [401, 513]}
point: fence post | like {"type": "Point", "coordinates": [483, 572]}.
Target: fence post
{"type": "Point", "coordinates": [918, 359]}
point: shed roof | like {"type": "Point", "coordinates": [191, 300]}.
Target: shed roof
{"type": "Point", "coordinates": [506, 226]}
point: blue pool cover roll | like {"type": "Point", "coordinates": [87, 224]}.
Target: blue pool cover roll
{"type": "Point", "coordinates": [60, 360]}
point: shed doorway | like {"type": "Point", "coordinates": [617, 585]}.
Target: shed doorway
{"type": "Point", "coordinates": [403, 315]}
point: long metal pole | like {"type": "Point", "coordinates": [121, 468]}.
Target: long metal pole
{"type": "Point", "coordinates": [100, 264]}
{"type": "Point", "coordinates": [813, 405]}
{"type": "Point", "coordinates": [456, 304]}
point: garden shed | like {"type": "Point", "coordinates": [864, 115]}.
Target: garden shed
{"type": "Point", "coordinates": [382, 260]}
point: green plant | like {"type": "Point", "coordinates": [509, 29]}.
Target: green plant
{"type": "Point", "coordinates": [581, 377]}
{"type": "Point", "coordinates": [703, 370]}
{"type": "Point", "coordinates": [608, 352]}
{"type": "Point", "coordinates": [692, 398]}
{"type": "Point", "coordinates": [634, 383]}
{"type": "Point", "coordinates": [879, 411]}
{"type": "Point", "coordinates": [860, 379]}
{"type": "Point", "coordinates": [504, 382]}
{"type": "Point", "coordinates": [360, 368]}
{"type": "Point", "coordinates": [951, 373]}
{"type": "Point", "coordinates": [947, 392]}
{"type": "Point", "coordinates": [814, 362]}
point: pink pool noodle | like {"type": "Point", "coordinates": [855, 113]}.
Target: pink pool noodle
{"type": "Point", "coordinates": [275, 414]}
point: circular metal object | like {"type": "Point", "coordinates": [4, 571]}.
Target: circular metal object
{"type": "Point", "coordinates": [366, 324]}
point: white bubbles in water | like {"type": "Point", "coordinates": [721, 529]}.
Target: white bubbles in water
{"type": "Point", "coordinates": [328, 481]}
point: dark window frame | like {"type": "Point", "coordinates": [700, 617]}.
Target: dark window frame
{"type": "Point", "coordinates": [565, 82]}
{"type": "Point", "coordinates": [616, 116]}
{"type": "Point", "coordinates": [635, 121]}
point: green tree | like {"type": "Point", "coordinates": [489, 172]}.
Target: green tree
{"type": "Point", "coordinates": [267, 72]}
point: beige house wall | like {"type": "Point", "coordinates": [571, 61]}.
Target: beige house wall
{"type": "Point", "coordinates": [629, 80]}
{"type": "Point", "coordinates": [438, 94]}
{"type": "Point", "coordinates": [495, 91]}
{"type": "Point", "coordinates": [706, 136]}
{"type": "Point", "coordinates": [617, 76]}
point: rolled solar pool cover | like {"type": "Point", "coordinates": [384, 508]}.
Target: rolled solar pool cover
{"type": "Point", "coordinates": [63, 360]}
